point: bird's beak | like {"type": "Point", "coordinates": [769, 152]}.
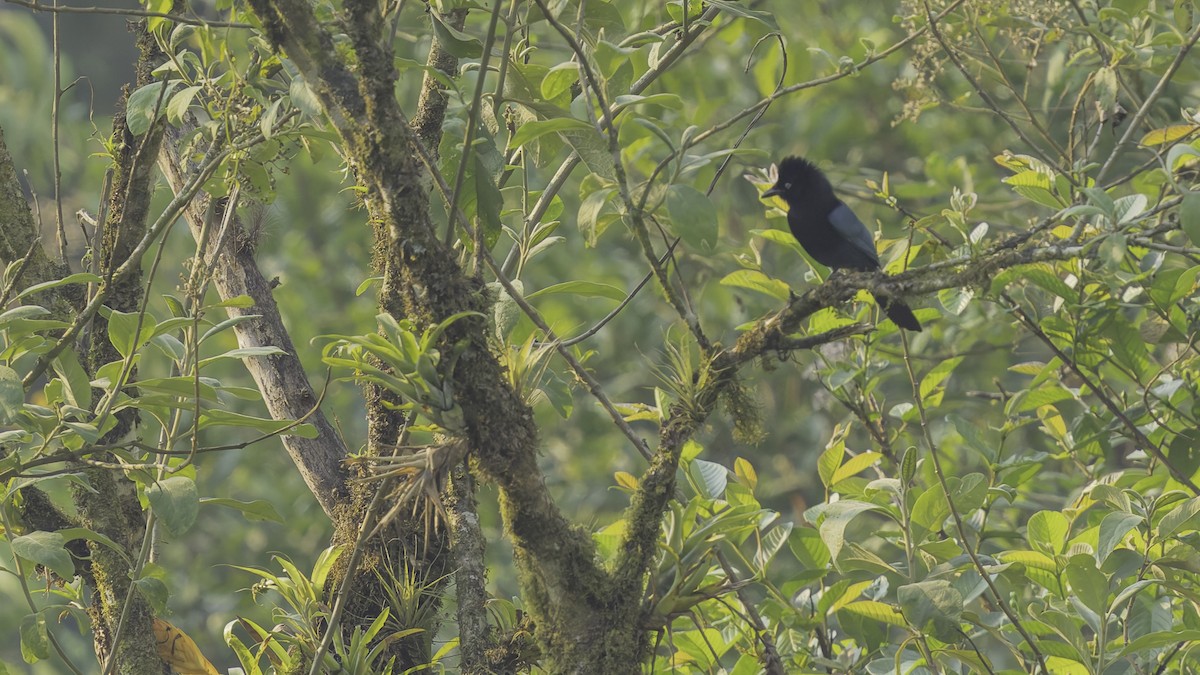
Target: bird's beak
{"type": "Point", "coordinates": [774, 191]}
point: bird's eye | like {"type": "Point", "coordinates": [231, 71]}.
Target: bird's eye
{"type": "Point", "coordinates": [787, 186]}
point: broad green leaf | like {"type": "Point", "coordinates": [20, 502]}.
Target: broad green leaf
{"type": "Point", "coordinates": [1159, 639]}
{"type": "Point", "coordinates": [1088, 583]}
{"type": "Point", "coordinates": [175, 503]}
{"type": "Point", "coordinates": [757, 281]}
{"type": "Point", "coordinates": [710, 476]}
{"type": "Point", "coordinates": [35, 640]}
{"type": "Point", "coordinates": [1113, 529]}
{"type": "Point", "coordinates": [829, 461]}
{"type": "Point", "coordinates": [454, 41]}
{"type": "Point", "coordinates": [155, 591]}
{"type": "Point", "coordinates": [488, 200]}
{"type": "Point", "coordinates": [77, 278]}
{"type": "Point", "coordinates": [837, 516]}
{"type": "Point", "coordinates": [1189, 217]}
{"type": "Point", "coordinates": [178, 106]}
{"type": "Point", "coordinates": [46, 549]}
{"type": "Point", "coordinates": [745, 472]}
{"type": "Point", "coordinates": [147, 104]}
{"type": "Point", "coordinates": [854, 466]}
{"type": "Point", "coordinates": [934, 606]}
{"type": "Point", "coordinates": [129, 330]}
{"type": "Point", "coordinates": [782, 238]}
{"type": "Point", "coordinates": [876, 611]}
{"type": "Point", "coordinates": [1174, 521]}
{"type": "Point", "coordinates": [1047, 532]}
{"type": "Point", "coordinates": [929, 512]}
{"type": "Point", "coordinates": [809, 549]}
{"type": "Point", "coordinates": [531, 131]}
{"type": "Point", "coordinates": [558, 81]}
{"type": "Point", "coordinates": [934, 378]}
{"type": "Point", "coordinates": [214, 417]}
{"type": "Point", "coordinates": [956, 300]}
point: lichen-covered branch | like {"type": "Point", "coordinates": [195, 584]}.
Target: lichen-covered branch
{"type": "Point", "coordinates": [285, 388]}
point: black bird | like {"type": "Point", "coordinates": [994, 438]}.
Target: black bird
{"type": "Point", "coordinates": [829, 230]}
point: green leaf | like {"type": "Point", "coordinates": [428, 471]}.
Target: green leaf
{"type": "Point", "coordinates": [124, 331]}
{"type": "Point", "coordinates": [694, 217]}
{"type": "Point", "coordinates": [1113, 529]}
{"type": "Point", "coordinates": [144, 106]}
{"type": "Point", "coordinates": [12, 395]}
{"type": "Point", "coordinates": [155, 591]}
{"type": "Point", "coordinates": [488, 201]}
{"type": "Point", "coordinates": [214, 417]}
{"type": "Point", "coordinates": [710, 477]}
{"type": "Point", "coordinates": [929, 511]}
{"type": "Point", "coordinates": [558, 81]}
{"type": "Point", "coordinates": [46, 549]}
{"type": "Point", "coordinates": [1047, 532]}
{"type": "Point", "coordinates": [35, 640]}
{"type": "Point", "coordinates": [809, 549]}
{"type": "Point", "coordinates": [829, 461]}
{"type": "Point", "coordinates": [242, 353]}
{"type": "Point", "coordinates": [1159, 639]}
{"type": "Point", "coordinates": [454, 41]}
{"type": "Point", "coordinates": [837, 516]}
{"type": "Point", "coordinates": [1127, 209]}
{"type": "Point", "coordinates": [935, 377]}
{"type": "Point", "coordinates": [76, 387]}
{"type": "Point", "coordinates": [1189, 216]}
{"type": "Point", "coordinates": [1173, 523]}
{"type": "Point", "coordinates": [757, 281]}
{"type": "Point", "coordinates": [77, 278]}
{"type": "Point", "coordinates": [531, 131]}
{"type": "Point", "coordinates": [178, 106]}
{"type": "Point", "coordinates": [1088, 583]}
{"type": "Point", "coordinates": [175, 503]}
{"type": "Point", "coordinates": [933, 606]}
{"type": "Point", "coordinates": [854, 466]}
{"type": "Point", "coordinates": [785, 239]}
{"type": "Point", "coordinates": [590, 289]}
{"type": "Point", "coordinates": [590, 222]}
{"type": "Point", "coordinates": [257, 510]}
{"type": "Point", "coordinates": [876, 611]}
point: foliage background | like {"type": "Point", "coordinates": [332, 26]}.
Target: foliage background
{"type": "Point", "coordinates": [859, 128]}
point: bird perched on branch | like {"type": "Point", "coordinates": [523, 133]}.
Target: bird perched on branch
{"type": "Point", "coordinates": [829, 230]}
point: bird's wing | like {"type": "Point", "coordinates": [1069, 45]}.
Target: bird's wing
{"type": "Point", "coordinates": [846, 224]}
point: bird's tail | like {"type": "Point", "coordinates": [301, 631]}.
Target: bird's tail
{"type": "Point", "coordinates": [900, 314]}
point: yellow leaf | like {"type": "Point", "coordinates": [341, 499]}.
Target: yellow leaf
{"type": "Point", "coordinates": [626, 480]}
{"type": "Point", "coordinates": [744, 470]}
{"type": "Point", "coordinates": [1167, 134]}
{"type": "Point", "coordinates": [180, 651]}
